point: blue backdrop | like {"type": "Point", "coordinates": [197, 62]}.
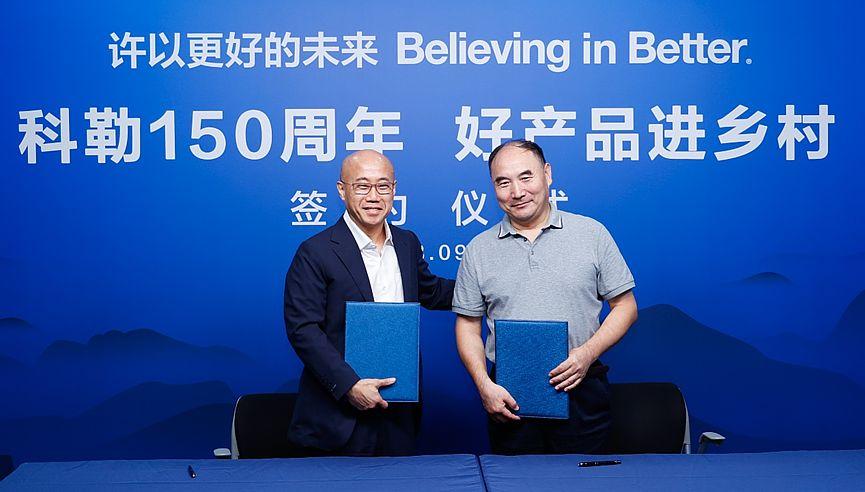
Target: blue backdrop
{"type": "Point", "coordinates": [138, 299]}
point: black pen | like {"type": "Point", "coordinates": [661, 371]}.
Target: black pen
{"type": "Point", "coordinates": [600, 463]}
{"type": "Point", "coordinates": [190, 471]}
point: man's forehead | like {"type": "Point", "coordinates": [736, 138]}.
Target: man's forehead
{"type": "Point", "coordinates": [515, 159]}
{"type": "Point", "coordinates": [372, 170]}
{"type": "Point", "coordinates": [368, 166]}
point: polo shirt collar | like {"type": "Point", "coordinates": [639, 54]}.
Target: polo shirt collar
{"type": "Point", "coordinates": [555, 221]}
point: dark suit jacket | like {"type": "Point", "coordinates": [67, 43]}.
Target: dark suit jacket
{"type": "Point", "coordinates": [327, 271]}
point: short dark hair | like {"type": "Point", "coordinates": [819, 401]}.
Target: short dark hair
{"type": "Point", "coordinates": [520, 144]}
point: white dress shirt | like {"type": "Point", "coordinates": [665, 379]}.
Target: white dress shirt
{"type": "Point", "coordinates": [382, 268]}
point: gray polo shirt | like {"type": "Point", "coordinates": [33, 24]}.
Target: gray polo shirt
{"type": "Point", "coordinates": [572, 267]}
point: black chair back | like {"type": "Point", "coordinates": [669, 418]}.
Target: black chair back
{"type": "Point", "coordinates": [261, 426]}
{"type": "Point", "coordinates": [647, 418]}
{"type": "Point", "coordinates": [5, 465]}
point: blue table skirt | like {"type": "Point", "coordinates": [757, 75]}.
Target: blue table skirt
{"type": "Point", "coordinates": [413, 474]}
{"type": "Point", "coordinates": [782, 471]}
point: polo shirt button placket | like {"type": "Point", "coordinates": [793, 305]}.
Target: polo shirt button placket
{"type": "Point", "coordinates": [533, 263]}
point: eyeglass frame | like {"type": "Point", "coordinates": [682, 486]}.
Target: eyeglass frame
{"type": "Point", "coordinates": [390, 184]}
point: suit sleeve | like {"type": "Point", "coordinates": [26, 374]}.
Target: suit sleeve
{"type": "Point", "coordinates": [434, 292]}
{"type": "Point", "coordinates": [305, 308]}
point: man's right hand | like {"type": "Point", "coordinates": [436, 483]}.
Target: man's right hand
{"type": "Point", "coordinates": [364, 394]}
{"type": "Point", "coordinates": [498, 402]}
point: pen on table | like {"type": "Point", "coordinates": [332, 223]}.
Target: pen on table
{"type": "Point", "coordinates": [600, 463]}
{"type": "Point", "coordinates": [190, 471]}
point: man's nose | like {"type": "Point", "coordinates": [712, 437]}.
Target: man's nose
{"type": "Point", "coordinates": [373, 195]}
{"type": "Point", "coordinates": [517, 191]}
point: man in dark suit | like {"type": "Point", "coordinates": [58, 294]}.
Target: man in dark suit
{"type": "Point", "coordinates": [360, 258]}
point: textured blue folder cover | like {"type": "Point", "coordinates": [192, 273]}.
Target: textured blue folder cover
{"type": "Point", "coordinates": [381, 341]}
{"type": "Point", "coordinates": [526, 351]}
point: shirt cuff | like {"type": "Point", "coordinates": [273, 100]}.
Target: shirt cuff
{"type": "Point", "coordinates": [619, 290]}
{"type": "Point", "coordinates": [467, 312]}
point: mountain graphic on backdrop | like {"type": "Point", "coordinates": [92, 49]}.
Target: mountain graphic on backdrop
{"type": "Point", "coordinates": [15, 324]}
{"type": "Point", "coordinates": [840, 351]}
{"type": "Point", "coordinates": [728, 383]}
{"type": "Point", "coordinates": [12, 370]}
{"type": "Point", "coordinates": [70, 377]}
{"type": "Point", "coordinates": [850, 330]}
{"type": "Point", "coordinates": [191, 434]}
{"type": "Point", "coordinates": [134, 344]}
{"type": "Point", "coordinates": [20, 340]}
{"type": "Point", "coordinates": [90, 434]}
{"type": "Point", "coordinates": [156, 384]}
{"type": "Point", "coordinates": [766, 278]}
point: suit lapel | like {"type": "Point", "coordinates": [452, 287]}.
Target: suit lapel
{"type": "Point", "coordinates": [404, 258]}
{"type": "Point", "coordinates": [346, 249]}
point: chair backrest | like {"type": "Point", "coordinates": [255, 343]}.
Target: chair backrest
{"type": "Point", "coordinates": [260, 426]}
{"type": "Point", "coordinates": [5, 466]}
{"type": "Point", "coordinates": [648, 418]}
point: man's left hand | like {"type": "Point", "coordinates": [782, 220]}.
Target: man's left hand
{"type": "Point", "coordinates": [567, 375]}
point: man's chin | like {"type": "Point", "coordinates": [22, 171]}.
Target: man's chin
{"type": "Point", "coordinates": [517, 217]}
{"type": "Point", "coordinates": [522, 216]}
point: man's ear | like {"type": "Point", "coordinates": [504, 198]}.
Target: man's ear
{"type": "Point", "coordinates": [340, 188]}
{"type": "Point", "coordinates": [548, 172]}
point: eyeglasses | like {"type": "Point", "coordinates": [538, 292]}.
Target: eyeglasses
{"type": "Point", "coordinates": [365, 188]}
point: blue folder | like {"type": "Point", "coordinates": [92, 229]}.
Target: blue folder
{"type": "Point", "coordinates": [382, 341]}
{"type": "Point", "coordinates": [526, 351]}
